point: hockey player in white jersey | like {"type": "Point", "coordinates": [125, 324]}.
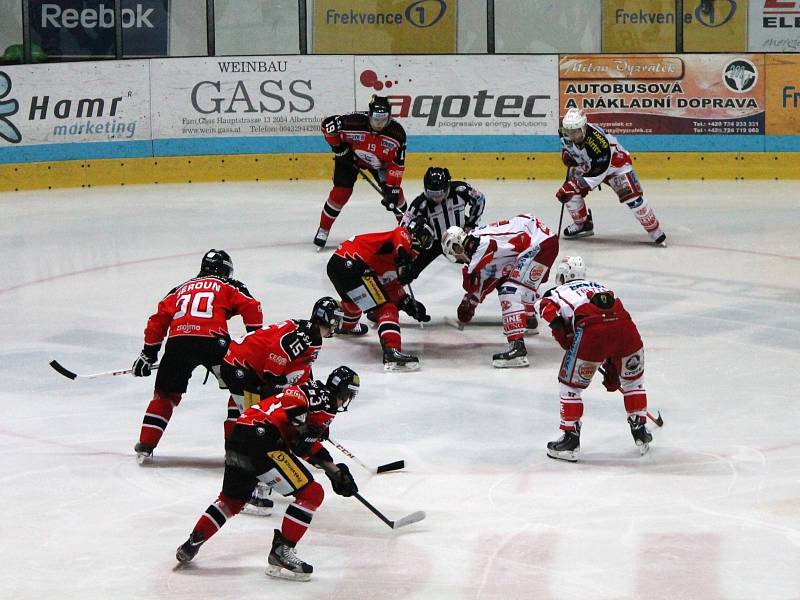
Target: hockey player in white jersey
{"type": "Point", "coordinates": [517, 253]}
{"type": "Point", "coordinates": [594, 156]}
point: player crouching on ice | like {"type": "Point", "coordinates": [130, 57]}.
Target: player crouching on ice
{"type": "Point", "coordinates": [593, 327]}
{"type": "Point", "coordinates": [515, 255]}
{"type": "Point", "coordinates": [369, 272]}
{"type": "Point", "coordinates": [594, 157]}
{"type": "Point", "coordinates": [266, 445]}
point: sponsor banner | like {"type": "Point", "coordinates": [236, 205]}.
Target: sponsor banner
{"type": "Point", "coordinates": [470, 95]}
{"type": "Point", "coordinates": [715, 26]}
{"type": "Point", "coordinates": [74, 102]}
{"type": "Point", "coordinates": [385, 26]}
{"type": "Point", "coordinates": [667, 94]}
{"type": "Point", "coordinates": [85, 28]}
{"type": "Point", "coordinates": [248, 96]}
{"type": "Point", "coordinates": [774, 26]}
{"type": "Point", "coordinates": [783, 95]}
{"type": "Point", "coordinates": [636, 26]}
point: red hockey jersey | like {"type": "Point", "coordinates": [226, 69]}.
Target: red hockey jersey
{"type": "Point", "coordinates": [202, 307]}
{"type": "Point", "coordinates": [379, 251]}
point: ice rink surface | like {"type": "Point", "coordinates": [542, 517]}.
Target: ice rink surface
{"type": "Point", "coordinates": [712, 512]}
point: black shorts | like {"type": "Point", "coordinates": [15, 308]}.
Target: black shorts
{"type": "Point", "coordinates": [355, 283]}
{"type": "Point", "coordinates": [182, 355]}
{"type": "Point", "coordinates": [253, 451]}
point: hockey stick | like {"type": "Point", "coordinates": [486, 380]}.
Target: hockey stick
{"type": "Point", "coordinates": [401, 522]}
{"type": "Point", "coordinates": [657, 420]}
{"type": "Point", "coordinates": [414, 300]}
{"type": "Point", "coordinates": [72, 375]}
{"type": "Point", "coordinates": [392, 466]}
{"type": "Point", "coordinates": [377, 188]}
{"type": "Point", "coordinates": [561, 218]}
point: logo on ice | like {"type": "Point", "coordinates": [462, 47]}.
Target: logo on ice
{"type": "Point", "coordinates": [8, 131]}
{"type": "Point", "coordinates": [57, 17]}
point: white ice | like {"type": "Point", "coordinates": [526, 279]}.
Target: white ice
{"type": "Point", "coordinates": [712, 512]}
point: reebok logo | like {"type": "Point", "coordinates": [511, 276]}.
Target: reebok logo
{"type": "Point", "coordinates": [8, 131]}
{"type": "Point", "coordinates": [57, 17]}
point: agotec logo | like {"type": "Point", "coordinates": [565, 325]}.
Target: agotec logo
{"type": "Point", "coordinates": [481, 105]}
{"type": "Point", "coordinates": [8, 131]}
{"type": "Point", "coordinates": [740, 75]}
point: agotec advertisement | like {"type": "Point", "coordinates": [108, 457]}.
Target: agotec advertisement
{"type": "Point", "coordinates": [464, 95]}
{"type": "Point", "coordinates": [667, 94]}
{"type": "Point", "coordinates": [74, 102]}
{"type": "Point", "coordinates": [248, 96]}
{"type": "Point", "coordinates": [774, 26]}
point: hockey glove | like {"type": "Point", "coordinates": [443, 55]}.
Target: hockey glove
{"type": "Point", "coordinates": [610, 375]}
{"type": "Point", "coordinates": [466, 310]}
{"type": "Point", "coordinates": [391, 197]}
{"type": "Point", "coordinates": [405, 271]}
{"type": "Point", "coordinates": [414, 309]}
{"type": "Point", "coordinates": [342, 481]}
{"type": "Point", "coordinates": [142, 366]}
{"type": "Point", "coordinates": [570, 189]}
{"type": "Point", "coordinates": [559, 329]}
{"type": "Point", "coordinates": [343, 154]}
{"type": "Point", "coordinates": [567, 159]}
{"type": "Point", "coordinates": [302, 446]}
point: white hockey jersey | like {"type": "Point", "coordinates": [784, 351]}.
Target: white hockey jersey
{"type": "Point", "coordinates": [502, 242]}
{"type": "Point", "coordinates": [564, 300]}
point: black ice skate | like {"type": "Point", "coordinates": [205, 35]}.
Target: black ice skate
{"type": "Point", "coordinates": [578, 231]}
{"type": "Point", "coordinates": [357, 331]}
{"type": "Point", "coordinates": [394, 360]}
{"type": "Point", "coordinates": [661, 240]}
{"type": "Point", "coordinates": [567, 446]}
{"type": "Point", "coordinates": [641, 436]}
{"type": "Point", "coordinates": [515, 356]}
{"type": "Point", "coordinates": [283, 561]}
{"type": "Point", "coordinates": [259, 504]}
{"type": "Point", "coordinates": [144, 453]}
{"type": "Point", "coordinates": [321, 238]}
{"type": "Point", "coordinates": [189, 549]}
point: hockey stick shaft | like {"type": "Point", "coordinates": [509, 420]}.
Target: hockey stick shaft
{"type": "Point", "coordinates": [73, 375]}
{"type": "Point", "coordinates": [402, 522]}
{"type": "Point", "coordinates": [414, 300]}
{"type": "Point", "coordinates": [385, 468]}
{"type": "Point", "coordinates": [377, 188]}
{"type": "Point", "coordinates": [561, 218]}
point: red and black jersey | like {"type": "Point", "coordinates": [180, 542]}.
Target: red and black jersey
{"type": "Point", "coordinates": [201, 307]}
{"type": "Point", "coordinates": [283, 349]}
{"type": "Point", "coordinates": [379, 251]}
{"type": "Point", "coordinates": [305, 407]}
{"type": "Point", "coordinates": [385, 149]}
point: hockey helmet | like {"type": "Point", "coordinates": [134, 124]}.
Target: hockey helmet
{"type": "Point", "coordinates": [421, 233]}
{"type": "Point", "coordinates": [574, 125]}
{"type": "Point", "coordinates": [380, 111]}
{"type": "Point", "coordinates": [456, 244]}
{"type": "Point", "coordinates": [343, 383]}
{"type": "Point", "coordinates": [437, 183]}
{"type": "Point", "coordinates": [569, 269]}
{"type": "Point", "coordinates": [327, 312]}
{"type": "Point", "coordinates": [216, 262]}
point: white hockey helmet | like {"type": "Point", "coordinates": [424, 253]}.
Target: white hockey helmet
{"type": "Point", "coordinates": [453, 243]}
{"type": "Point", "coordinates": [569, 269]}
{"type": "Point", "coordinates": [574, 125]}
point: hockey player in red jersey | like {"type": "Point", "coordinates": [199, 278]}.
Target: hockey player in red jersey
{"type": "Point", "coordinates": [594, 156]}
{"type": "Point", "coordinates": [364, 140]}
{"type": "Point", "coordinates": [194, 315]}
{"type": "Point", "coordinates": [369, 272]}
{"type": "Point", "coordinates": [266, 445]}
{"type": "Point", "coordinates": [515, 255]}
{"type": "Point", "coordinates": [593, 327]}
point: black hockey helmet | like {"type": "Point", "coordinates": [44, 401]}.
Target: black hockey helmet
{"type": "Point", "coordinates": [328, 312]}
{"type": "Point", "coordinates": [421, 233]}
{"type": "Point", "coordinates": [437, 183]}
{"type": "Point", "coordinates": [343, 383]}
{"type": "Point", "coordinates": [216, 262]}
{"type": "Point", "coordinates": [379, 112]}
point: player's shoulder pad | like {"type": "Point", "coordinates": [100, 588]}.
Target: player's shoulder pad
{"type": "Point", "coordinates": [355, 120]}
{"type": "Point", "coordinates": [240, 286]}
{"type": "Point", "coordinates": [596, 143]}
{"type": "Point", "coordinates": [319, 397]}
{"type": "Point", "coordinates": [309, 331]}
{"type": "Point", "coordinates": [395, 131]}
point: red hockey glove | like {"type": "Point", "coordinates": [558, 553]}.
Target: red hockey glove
{"type": "Point", "coordinates": [567, 159]}
{"type": "Point", "coordinates": [471, 282]}
{"type": "Point", "coordinates": [466, 310]}
{"type": "Point", "coordinates": [610, 375]}
{"type": "Point", "coordinates": [570, 189]}
{"type": "Point", "coordinates": [559, 329]}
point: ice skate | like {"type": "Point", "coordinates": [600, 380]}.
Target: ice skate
{"type": "Point", "coordinates": [283, 562]}
{"type": "Point", "coordinates": [578, 231]}
{"type": "Point", "coordinates": [567, 446]}
{"type": "Point", "coordinates": [144, 453]}
{"type": "Point", "coordinates": [189, 549]}
{"type": "Point", "coordinates": [532, 327]}
{"type": "Point", "coordinates": [660, 239]}
{"type": "Point", "coordinates": [515, 356]}
{"type": "Point", "coordinates": [641, 436]}
{"type": "Point", "coordinates": [321, 238]}
{"type": "Point", "coordinates": [394, 360]}
{"type": "Point", "coordinates": [357, 331]}
{"type": "Point", "coordinates": [259, 504]}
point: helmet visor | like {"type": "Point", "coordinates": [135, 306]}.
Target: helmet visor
{"type": "Point", "coordinates": [346, 396]}
{"type": "Point", "coordinates": [576, 135]}
{"type": "Point", "coordinates": [378, 120]}
{"type": "Point", "coordinates": [436, 195]}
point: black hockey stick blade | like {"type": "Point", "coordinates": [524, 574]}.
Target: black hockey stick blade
{"type": "Point", "coordinates": [65, 372]}
{"type": "Point", "coordinates": [392, 466]}
{"type": "Point", "coordinates": [657, 420]}
{"type": "Point", "coordinates": [409, 519]}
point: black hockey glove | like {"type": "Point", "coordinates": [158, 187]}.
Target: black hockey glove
{"type": "Point", "coordinates": [303, 444]}
{"type": "Point", "coordinates": [391, 197]}
{"type": "Point", "coordinates": [414, 309]}
{"type": "Point", "coordinates": [321, 458]}
{"type": "Point", "coordinates": [405, 270]}
{"type": "Point", "coordinates": [143, 365]}
{"type": "Point", "coordinates": [342, 481]}
{"type": "Point", "coordinates": [343, 154]}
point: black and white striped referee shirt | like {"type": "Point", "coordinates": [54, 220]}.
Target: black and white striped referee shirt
{"type": "Point", "coordinates": [449, 211]}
